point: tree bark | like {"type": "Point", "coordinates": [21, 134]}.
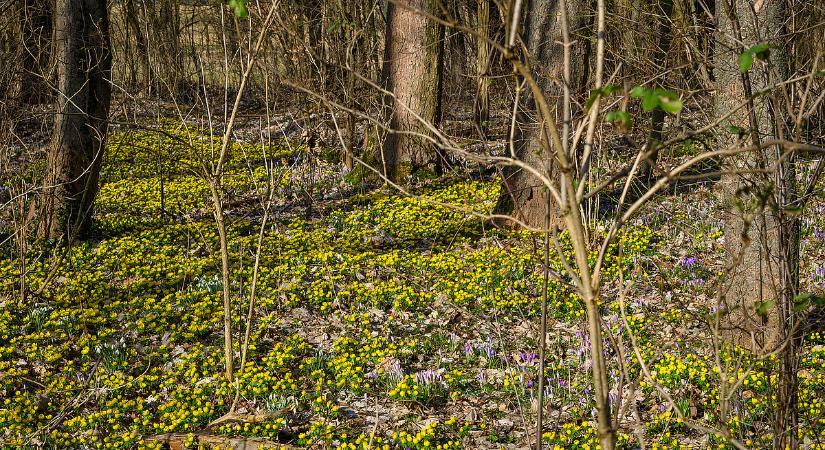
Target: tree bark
{"type": "Point", "coordinates": [84, 64]}
{"type": "Point", "coordinates": [522, 195]}
{"type": "Point", "coordinates": [413, 72]}
{"type": "Point", "coordinates": [759, 227]}
{"type": "Point", "coordinates": [757, 279]}
{"type": "Point", "coordinates": [482, 106]}
{"type": "Point", "coordinates": [133, 27]}
{"type": "Point", "coordinates": [164, 43]}
{"type": "Point", "coordinates": [657, 120]}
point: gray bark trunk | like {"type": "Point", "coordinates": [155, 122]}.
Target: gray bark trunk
{"type": "Point", "coordinates": [759, 228]}
{"type": "Point", "coordinates": [521, 194]}
{"type": "Point", "coordinates": [133, 27]}
{"type": "Point", "coordinates": [413, 72]}
{"type": "Point", "coordinates": [164, 42]}
{"type": "Point", "coordinates": [757, 279]}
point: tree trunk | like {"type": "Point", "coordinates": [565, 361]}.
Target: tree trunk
{"type": "Point", "coordinates": [36, 55]}
{"type": "Point", "coordinates": [134, 28]}
{"type": "Point", "coordinates": [312, 20]}
{"type": "Point", "coordinates": [757, 278]}
{"type": "Point", "coordinates": [413, 72]}
{"type": "Point", "coordinates": [84, 64]}
{"type": "Point", "coordinates": [758, 226]}
{"type": "Point", "coordinates": [482, 105]}
{"type": "Point", "coordinates": [457, 52]}
{"type": "Point", "coordinates": [664, 36]}
{"type": "Point", "coordinates": [164, 42]}
{"type": "Point", "coordinates": [522, 195]}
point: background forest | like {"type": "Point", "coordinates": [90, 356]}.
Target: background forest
{"type": "Point", "coordinates": [412, 224]}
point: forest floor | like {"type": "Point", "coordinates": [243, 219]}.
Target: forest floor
{"type": "Point", "coordinates": [379, 320]}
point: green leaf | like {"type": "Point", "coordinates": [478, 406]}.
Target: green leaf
{"type": "Point", "coordinates": [610, 89]}
{"type": "Point", "coordinates": [638, 91]}
{"type": "Point", "coordinates": [591, 99]}
{"type": "Point", "coordinates": [762, 308]}
{"type": "Point", "coordinates": [239, 6]}
{"type": "Point", "coordinates": [801, 302]}
{"type": "Point", "coordinates": [760, 50]}
{"type": "Point", "coordinates": [669, 101]}
{"type": "Point", "coordinates": [603, 91]}
{"type": "Point", "coordinates": [621, 118]}
{"type": "Point", "coordinates": [745, 61]}
{"type": "Point", "coordinates": [649, 102]}
{"type": "Point", "coordinates": [663, 99]}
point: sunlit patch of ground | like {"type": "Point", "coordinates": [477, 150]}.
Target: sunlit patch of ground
{"type": "Point", "coordinates": [380, 321]}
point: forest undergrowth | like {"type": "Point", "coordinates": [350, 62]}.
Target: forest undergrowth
{"type": "Point", "coordinates": [380, 320]}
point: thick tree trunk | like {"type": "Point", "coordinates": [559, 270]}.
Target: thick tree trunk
{"type": "Point", "coordinates": [759, 227]}
{"type": "Point", "coordinates": [522, 195]}
{"type": "Point", "coordinates": [84, 65]}
{"type": "Point", "coordinates": [413, 72]}
{"type": "Point", "coordinates": [757, 278]}
{"type": "Point", "coordinates": [37, 51]}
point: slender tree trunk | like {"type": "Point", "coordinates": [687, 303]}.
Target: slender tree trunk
{"type": "Point", "coordinates": [352, 56]}
{"type": "Point", "coordinates": [457, 51]}
{"type": "Point", "coordinates": [629, 15]}
{"type": "Point", "coordinates": [786, 421]}
{"type": "Point", "coordinates": [164, 39]}
{"type": "Point", "coordinates": [413, 72]}
{"type": "Point", "coordinates": [134, 28]}
{"type": "Point", "coordinates": [84, 65]}
{"type": "Point", "coordinates": [36, 52]}
{"type": "Point", "coordinates": [521, 193]}
{"type": "Point", "coordinates": [482, 106]}
{"type": "Point", "coordinates": [228, 346]}
{"type": "Point", "coordinates": [664, 36]}
{"type": "Point", "coordinates": [311, 17]}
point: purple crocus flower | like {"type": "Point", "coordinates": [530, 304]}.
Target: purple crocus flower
{"type": "Point", "coordinates": [688, 262]}
{"type": "Point", "coordinates": [527, 357]}
{"type": "Point", "coordinates": [468, 347]}
{"type": "Point", "coordinates": [487, 348]}
{"type": "Point", "coordinates": [428, 377]}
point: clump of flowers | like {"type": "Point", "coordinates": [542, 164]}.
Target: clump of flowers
{"type": "Point", "coordinates": [408, 389]}
{"type": "Point", "coordinates": [426, 439]}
